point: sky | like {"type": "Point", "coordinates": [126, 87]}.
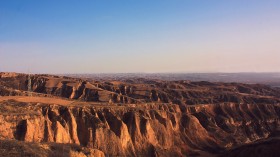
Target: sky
{"type": "Point", "coordinates": [139, 36]}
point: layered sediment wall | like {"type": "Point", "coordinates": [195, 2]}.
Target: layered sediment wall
{"type": "Point", "coordinates": [138, 117]}
{"type": "Point", "coordinates": [142, 130]}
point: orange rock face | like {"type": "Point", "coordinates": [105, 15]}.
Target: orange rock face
{"type": "Point", "coordinates": [165, 119]}
{"type": "Point", "coordinates": [155, 131]}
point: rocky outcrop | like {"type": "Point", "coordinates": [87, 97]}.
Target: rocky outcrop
{"type": "Point", "coordinates": [146, 129]}
{"type": "Point", "coordinates": [132, 118]}
{"type": "Point", "coordinates": [176, 92]}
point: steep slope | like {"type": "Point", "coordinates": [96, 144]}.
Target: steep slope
{"type": "Point", "coordinates": [141, 90]}
{"type": "Point", "coordinates": [144, 130]}
{"type": "Point", "coordinates": [137, 117]}
{"type": "Point", "coordinates": [268, 147]}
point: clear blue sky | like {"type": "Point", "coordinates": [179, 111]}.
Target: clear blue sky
{"type": "Point", "coordinates": [92, 36]}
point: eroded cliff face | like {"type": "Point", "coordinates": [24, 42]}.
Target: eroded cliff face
{"type": "Point", "coordinates": [143, 91]}
{"type": "Point", "coordinates": [144, 130]}
{"type": "Point", "coordinates": [136, 117]}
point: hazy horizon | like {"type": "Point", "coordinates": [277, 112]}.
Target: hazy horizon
{"type": "Point", "coordinates": [160, 36]}
{"type": "Point", "coordinates": [86, 73]}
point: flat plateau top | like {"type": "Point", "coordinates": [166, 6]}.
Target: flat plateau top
{"type": "Point", "coordinates": [37, 99]}
{"type": "Point", "coordinates": [52, 100]}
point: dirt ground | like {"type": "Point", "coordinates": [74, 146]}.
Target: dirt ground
{"type": "Point", "coordinates": [37, 99]}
